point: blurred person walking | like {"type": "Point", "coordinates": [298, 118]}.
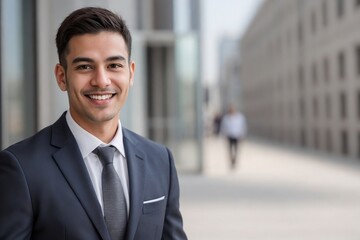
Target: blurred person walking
{"type": "Point", "coordinates": [233, 127]}
{"type": "Point", "coordinates": [217, 123]}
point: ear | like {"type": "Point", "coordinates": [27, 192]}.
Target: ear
{"type": "Point", "coordinates": [60, 75]}
{"type": "Point", "coordinates": [132, 72]}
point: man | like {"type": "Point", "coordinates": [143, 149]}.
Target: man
{"type": "Point", "coordinates": [86, 177]}
{"type": "Point", "coordinates": [233, 126]}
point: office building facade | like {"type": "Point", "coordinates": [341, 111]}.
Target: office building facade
{"type": "Point", "coordinates": [301, 74]}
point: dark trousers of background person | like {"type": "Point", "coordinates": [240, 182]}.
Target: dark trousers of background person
{"type": "Point", "coordinates": [233, 149]}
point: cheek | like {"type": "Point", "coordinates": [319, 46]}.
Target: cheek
{"type": "Point", "coordinates": [73, 93]}
{"type": "Point", "coordinates": [123, 84]}
{"type": "Point", "coordinates": [75, 85]}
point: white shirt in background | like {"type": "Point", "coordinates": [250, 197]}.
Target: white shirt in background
{"type": "Point", "coordinates": [234, 125]}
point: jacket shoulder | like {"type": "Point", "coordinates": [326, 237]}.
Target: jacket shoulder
{"type": "Point", "coordinates": [138, 139]}
{"type": "Point", "coordinates": [32, 142]}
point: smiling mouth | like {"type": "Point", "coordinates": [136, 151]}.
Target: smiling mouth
{"type": "Point", "coordinates": [100, 97]}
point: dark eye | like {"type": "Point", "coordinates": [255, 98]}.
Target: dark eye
{"type": "Point", "coordinates": [115, 65]}
{"type": "Point", "coordinates": [83, 67]}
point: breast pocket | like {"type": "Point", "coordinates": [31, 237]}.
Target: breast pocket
{"type": "Point", "coordinates": [152, 206]}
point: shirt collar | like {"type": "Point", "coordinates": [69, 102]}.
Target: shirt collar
{"type": "Point", "coordinates": [88, 142]}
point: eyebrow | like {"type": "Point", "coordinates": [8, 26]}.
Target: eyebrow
{"type": "Point", "coordinates": [82, 59]}
{"type": "Point", "coordinates": [114, 58]}
{"type": "Point", "coordinates": [109, 59]}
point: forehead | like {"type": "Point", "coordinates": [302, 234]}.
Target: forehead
{"type": "Point", "coordinates": [96, 45]}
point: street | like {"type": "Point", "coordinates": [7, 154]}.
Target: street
{"type": "Point", "coordinates": [276, 192]}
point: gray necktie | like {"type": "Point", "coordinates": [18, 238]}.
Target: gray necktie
{"type": "Point", "coordinates": [115, 211]}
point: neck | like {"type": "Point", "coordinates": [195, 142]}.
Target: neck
{"type": "Point", "coordinates": [104, 132]}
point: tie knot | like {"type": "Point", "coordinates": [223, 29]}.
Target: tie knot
{"type": "Point", "coordinates": [105, 154]}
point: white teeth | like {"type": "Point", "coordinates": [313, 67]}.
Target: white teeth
{"type": "Point", "coordinates": [100, 97]}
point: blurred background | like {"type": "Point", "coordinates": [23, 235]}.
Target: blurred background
{"type": "Point", "coordinates": [292, 67]}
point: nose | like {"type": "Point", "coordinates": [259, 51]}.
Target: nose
{"type": "Point", "coordinates": [100, 78]}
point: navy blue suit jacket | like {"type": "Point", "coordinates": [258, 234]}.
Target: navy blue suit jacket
{"type": "Point", "coordinates": [46, 192]}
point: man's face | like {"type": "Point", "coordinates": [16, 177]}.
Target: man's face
{"type": "Point", "coordinates": [97, 78]}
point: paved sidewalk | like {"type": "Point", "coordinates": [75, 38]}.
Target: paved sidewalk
{"type": "Point", "coordinates": [276, 192]}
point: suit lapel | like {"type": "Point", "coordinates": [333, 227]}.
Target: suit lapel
{"type": "Point", "coordinates": [135, 160]}
{"type": "Point", "coordinates": [72, 166]}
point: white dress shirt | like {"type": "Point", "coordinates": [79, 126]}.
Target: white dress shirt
{"type": "Point", "coordinates": [87, 144]}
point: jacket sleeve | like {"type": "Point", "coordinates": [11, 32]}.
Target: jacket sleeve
{"type": "Point", "coordinates": [15, 203]}
{"type": "Point", "coordinates": [173, 225]}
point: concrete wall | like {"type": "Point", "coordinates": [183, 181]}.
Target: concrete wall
{"type": "Point", "coordinates": [294, 91]}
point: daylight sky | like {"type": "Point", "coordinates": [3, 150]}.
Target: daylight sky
{"type": "Point", "coordinates": [222, 18]}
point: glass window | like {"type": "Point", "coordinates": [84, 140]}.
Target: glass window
{"type": "Point", "coordinates": [182, 16]}
{"type": "Point", "coordinates": [328, 140]}
{"type": "Point", "coordinates": [358, 144]}
{"type": "Point", "coordinates": [357, 56]}
{"type": "Point", "coordinates": [314, 74]}
{"type": "Point", "coordinates": [344, 142]}
{"type": "Point", "coordinates": [326, 70]}
{"type": "Point", "coordinates": [300, 33]}
{"type": "Point", "coordinates": [340, 8]}
{"type": "Point", "coordinates": [328, 106]}
{"type": "Point", "coordinates": [315, 107]}
{"type": "Point", "coordinates": [324, 13]}
{"type": "Point", "coordinates": [302, 108]}
{"type": "Point", "coordinates": [341, 65]}
{"type": "Point", "coordinates": [1, 110]}
{"type": "Point", "coordinates": [303, 137]}
{"type": "Point", "coordinates": [18, 70]}
{"type": "Point", "coordinates": [316, 138]}
{"type": "Point", "coordinates": [186, 132]}
{"type": "Point", "coordinates": [301, 77]}
{"type": "Point", "coordinates": [343, 105]}
{"type": "Point", "coordinates": [358, 104]}
{"type": "Point", "coordinates": [163, 15]}
{"type": "Point", "coordinates": [313, 22]}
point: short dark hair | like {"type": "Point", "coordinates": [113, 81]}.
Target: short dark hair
{"type": "Point", "coordinates": [89, 20]}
